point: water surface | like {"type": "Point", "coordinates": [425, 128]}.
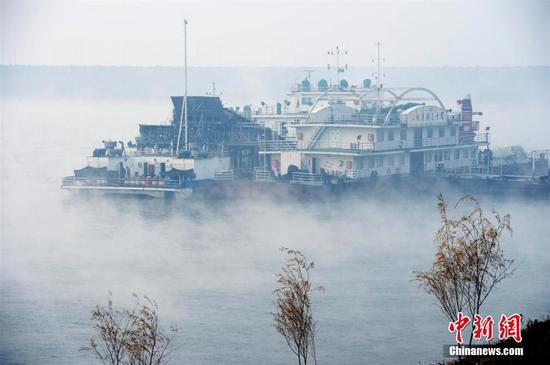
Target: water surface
{"type": "Point", "coordinates": [211, 267]}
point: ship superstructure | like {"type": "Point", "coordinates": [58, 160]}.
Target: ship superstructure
{"type": "Point", "coordinates": [352, 132]}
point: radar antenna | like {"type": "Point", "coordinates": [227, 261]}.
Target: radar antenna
{"type": "Point", "coordinates": [213, 92]}
{"type": "Point", "coordinates": [378, 76]}
{"type": "Point", "coordinates": [337, 52]}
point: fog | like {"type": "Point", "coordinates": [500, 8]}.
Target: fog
{"type": "Point", "coordinates": [513, 99]}
{"type": "Point", "coordinates": [211, 266]}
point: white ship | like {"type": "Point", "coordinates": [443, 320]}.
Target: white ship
{"type": "Point", "coordinates": [348, 131]}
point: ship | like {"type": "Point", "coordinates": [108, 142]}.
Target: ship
{"type": "Point", "coordinates": [322, 138]}
{"type": "Point", "coordinates": [326, 136]}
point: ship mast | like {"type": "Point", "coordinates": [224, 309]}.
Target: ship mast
{"type": "Point", "coordinates": [378, 76]}
{"type": "Point", "coordinates": [378, 45]}
{"type": "Point", "coordinates": [183, 116]}
{"type": "Point", "coordinates": [338, 52]}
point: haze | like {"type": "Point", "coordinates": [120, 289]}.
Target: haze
{"type": "Point", "coordinates": [489, 33]}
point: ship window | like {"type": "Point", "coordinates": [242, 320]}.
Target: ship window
{"type": "Point", "coordinates": [371, 163]}
{"type": "Point", "coordinates": [380, 162]}
{"type": "Point", "coordinates": [380, 136]}
{"type": "Point", "coordinates": [428, 157]}
{"type": "Point", "coordinates": [430, 133]}
{"type": "Point", "coordinates": [437, 157]}
{"type": "Point", "coordinates": [453, 131]}
{"type": "Point", "coordinates": [441, 132]}
{"type": "Point", "coordinates": [390, 135]}
{"type": "Point", "coordinates": [403, 134]}
{"type": "Point", "coordinates": [391, 161]}
{"type": "Point", "coordinates": [465, 154]}
{"type": "Point", "coordinates": [457, 154]}
{"type": "Point", "coordinates": [447, 155]}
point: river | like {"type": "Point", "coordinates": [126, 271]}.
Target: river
{"type": "Point", "coordinates": [211, 266]}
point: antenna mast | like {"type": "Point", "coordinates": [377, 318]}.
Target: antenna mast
{"type": "Point", "coordinates": [338, 52]}
{"type": "Point", "coordinates": [183, 116]}
{"type": "Point", "coordinates": [378, 76]}
{"type": "Point", "coordinates": [378, 45]}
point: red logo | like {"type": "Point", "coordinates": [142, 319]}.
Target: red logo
{"type": "Point", "coordinates": [483, 327]}
{"type": "Point", "coordinates": [459, 325]}
{"type": "Point", "coordinates": [508, 327]}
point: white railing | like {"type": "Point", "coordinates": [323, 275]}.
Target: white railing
{"type": "Point", "coordinates": [355, 174]}
{"type": "Point", "coordinates": [305, 178]}
{"type": "Point", "coordinates": [164, 153]}
{"type": "Point", "coordinates": [277, 145]}
{"type": "Point", "coordinates": [356, 146]}
{"type": "Point", "coordinates": [359, 119]}
{"type": "Point", "coordinates": [439, 141]}
{"type": "Point", "coordinates": [482, 137]}
{"type": "Point", "coordinates": [262, 175]}
{"type": "Point", "coordinates": [223, 175]}
{"type": "Point", "coordinates": [392, 145]}
{"type": "Point", "coordinates": [143, 182]}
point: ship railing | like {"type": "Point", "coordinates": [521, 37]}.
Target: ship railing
{"type": "Point", "coordinates": [262, 174]}
{"type": "Point", "coordinates": [224, 175]}
{"type": "Point", "coordinates": [394, 144]}
{"type": "Point", "coordinates": [482, 137]}
{"type": "Point", "coordinates": [164, 153]}
{"type": "Point", "coordinates": [471, 170]}
{"type": "Point", "coordinates": [282, 145]}
{"type": "Point", "coordinates": [305, 178]}
{"type": "Point", "coordinates": [350, 146]}
{"type": "Point", "coordinates": [359, 119]}
{"type": "Point", "coordinates": [355, 174]}
{"type": "Point", "coordinates": [439, 141]}
{"type": "Point", "coordinates": [316, 89]}
{"type": "Point", "coordinates": [148, 182]}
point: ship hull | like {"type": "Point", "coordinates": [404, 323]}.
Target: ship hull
{"type": "Point", "coordinates": [405, 185]}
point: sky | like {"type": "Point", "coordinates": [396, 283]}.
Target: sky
{"type": "Point", "coordinates": [264, 33]}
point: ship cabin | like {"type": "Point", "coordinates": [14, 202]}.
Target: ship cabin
{"type": "Point", "coordinates": [378, 132]}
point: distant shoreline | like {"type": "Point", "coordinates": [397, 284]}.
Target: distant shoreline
{"type": "Point", "coordinates": [252, 85]}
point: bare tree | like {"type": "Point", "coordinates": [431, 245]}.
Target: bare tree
{"type": "Point", "coordinates": [469, 262]}
{"type": "Point", "coordinates": [445, 279]}
{"type": "Point", "coordinates": [130, 336]}
{"type": "Point", "coordinates": [149, 344]}
{"type": "Point", "coordinates": [114, 329]}
{"type": "Point", "coordinates": [293, 317]}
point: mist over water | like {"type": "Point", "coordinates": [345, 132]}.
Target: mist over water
{"type": "Point", "coordinates": [211, 266]}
